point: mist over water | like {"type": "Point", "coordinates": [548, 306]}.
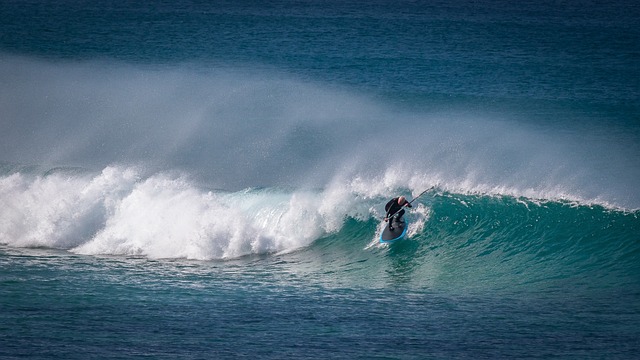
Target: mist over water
{"type": "Point", "coordinates": [233, 128]}
{"type": "Point", "coordinates": [236, 127]}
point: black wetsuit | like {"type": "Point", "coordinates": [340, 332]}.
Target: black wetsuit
{"type": "Point", "coordinates": [391, 208]}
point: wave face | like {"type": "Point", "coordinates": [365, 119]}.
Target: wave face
{"type": "Point", "coordinates": [462, 240]}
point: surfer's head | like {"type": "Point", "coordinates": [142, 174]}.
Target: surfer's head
{"type": "Point", "coordinates": [401, 200]}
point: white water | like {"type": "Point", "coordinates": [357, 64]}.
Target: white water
{"type": "Point", "coordinates": [119, 212]}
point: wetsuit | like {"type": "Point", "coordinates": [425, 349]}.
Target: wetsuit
{"type": "Point", "coordinates": [391, 208]}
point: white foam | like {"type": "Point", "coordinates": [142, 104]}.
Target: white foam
{"type": "Point", "coordinates": [121, 212]}
{"type": "Point", "coordinates": [58, 210]}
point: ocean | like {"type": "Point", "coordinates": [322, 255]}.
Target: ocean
{"type": "Point", "coordinates": [207, 179]}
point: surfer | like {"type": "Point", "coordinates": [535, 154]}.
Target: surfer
{"type": "Point", "coordinates": [395, 208]}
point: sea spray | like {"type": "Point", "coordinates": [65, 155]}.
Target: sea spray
{"type": "Point", "coordinates": [235, 127]}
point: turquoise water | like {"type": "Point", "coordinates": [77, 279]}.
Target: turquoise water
{"type": "Point", "coordinates": [207, 180]}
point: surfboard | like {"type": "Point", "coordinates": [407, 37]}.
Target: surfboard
{"type": "Point", "coordinates": [398, 232]}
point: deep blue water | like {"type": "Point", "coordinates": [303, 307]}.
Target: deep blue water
{"type": "Point", "coordinates": [207, 179]}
